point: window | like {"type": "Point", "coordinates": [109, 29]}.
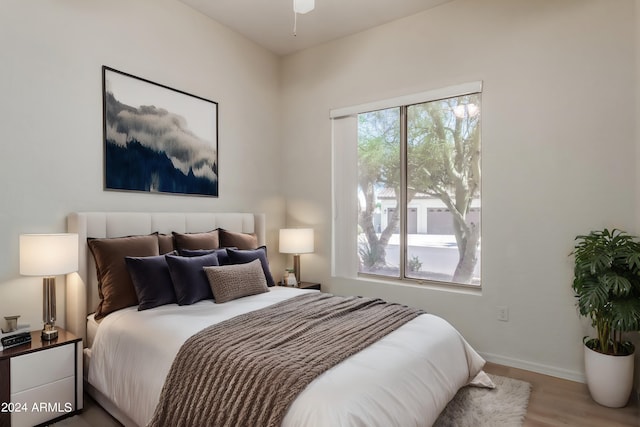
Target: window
{"type": "Point", "coordinates": [378, 191]}
{"type": "Point", "coordinates": [418, 188]}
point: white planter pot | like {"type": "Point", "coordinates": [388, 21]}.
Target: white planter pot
{"type": "Point", "coordinates": [609, 378]}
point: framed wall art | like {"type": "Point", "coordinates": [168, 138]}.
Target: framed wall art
{"type": "Point", "coordinates": [158, 139]}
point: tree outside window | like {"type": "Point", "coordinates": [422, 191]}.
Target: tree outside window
{"type": "Point", "coordinates": [419, 175]}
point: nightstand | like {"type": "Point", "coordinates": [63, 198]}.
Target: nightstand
{"type": "Point", "coordinates": [304, 285]}
{"type": "Point", "coordinates": [310, 285]}
{"type": "Point", "coordinates": [41, 381]}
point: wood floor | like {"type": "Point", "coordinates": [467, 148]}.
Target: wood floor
{"type": "Point", "coordinates": [554, 402]}
{"type": "Point", "coordinates": [557, 402]}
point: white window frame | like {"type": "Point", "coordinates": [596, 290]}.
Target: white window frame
{"type": "Point", "coordinates": [344, 160]}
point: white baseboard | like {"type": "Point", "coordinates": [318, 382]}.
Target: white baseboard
{"type": "Point", "coordinates": [535, 367]}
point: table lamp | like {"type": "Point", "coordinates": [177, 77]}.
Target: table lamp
{"type": "Point", "coordinates": [48, 255]}
{"type": "Point", "coordinates": [296, 241]}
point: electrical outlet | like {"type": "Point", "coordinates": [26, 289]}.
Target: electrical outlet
{"type": "Point", "coordinates": [503, 313]}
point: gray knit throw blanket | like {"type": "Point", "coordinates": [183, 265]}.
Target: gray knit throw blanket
{"type": "Point", "coordinates": [247, 370]}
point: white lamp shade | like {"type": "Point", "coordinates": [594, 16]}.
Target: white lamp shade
{"type": "Point", "coordinates": [296, 240]}
{"type": "Point", "coordinates": [303, 6]}
{"type": "Point", "coordinates": [48, 254]}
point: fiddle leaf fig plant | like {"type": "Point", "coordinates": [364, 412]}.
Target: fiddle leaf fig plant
{"type": "Point", "coordinates": [607, 287]}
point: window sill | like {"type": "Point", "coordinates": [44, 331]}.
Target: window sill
{"type": "Point", "coordinates": [419, 284]}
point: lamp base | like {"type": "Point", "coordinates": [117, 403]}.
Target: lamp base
{"type": "Point", "coordinates": [296, 266]}
{"type": "Point", "coordinates": [49, 333]}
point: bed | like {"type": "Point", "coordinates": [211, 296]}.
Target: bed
{"type": "Point", "coordinates": [406, 378]}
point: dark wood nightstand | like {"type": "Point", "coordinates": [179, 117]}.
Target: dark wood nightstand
{"type": "Point", "coordinates": [304, 285]}
{"type": "Point", "coordinates": [310, 285]}
{"type": "Point", "coordinates": [41, 381]}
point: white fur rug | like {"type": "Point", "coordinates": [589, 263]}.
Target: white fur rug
{"type": "Point", "coordinates": [503, 406]}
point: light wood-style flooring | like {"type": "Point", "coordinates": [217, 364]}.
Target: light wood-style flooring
{"type": "Point", "coordinates": [554, 402]}
{"type": "Point", "coordinates": [557, 402]}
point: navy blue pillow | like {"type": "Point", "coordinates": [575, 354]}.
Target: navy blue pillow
{"type": "Point", "coordinates": [240, 256]}
{"type": "Point", "coordinates": [223, 258]}
{"type": "Point", "coordinates": [189, 279]}
{"type": "Point", "coordinates": [151, 280]}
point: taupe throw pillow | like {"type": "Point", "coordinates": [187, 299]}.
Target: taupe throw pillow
{"type": "Point", "coordinates": [229, 282]}
{"type": "Point", "coordinates": [115, 287]}
{"type": "Point", "coordinates": [237, 240]}
{"type": "Point", "coordinates": [192, 241]}
{"type": "Point", "coordinates": [165, 243]}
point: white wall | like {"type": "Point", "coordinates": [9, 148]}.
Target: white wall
{"type": "Point", "coordinates": [559, 152]}
{"type": "Point", "coordinates": [51, 117]}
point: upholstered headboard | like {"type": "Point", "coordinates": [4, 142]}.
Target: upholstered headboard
{"type": "Point", "coordinates": [82, 287]}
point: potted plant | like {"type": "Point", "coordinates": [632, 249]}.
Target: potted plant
{"type": "Point", "coordinates": [607, 288]}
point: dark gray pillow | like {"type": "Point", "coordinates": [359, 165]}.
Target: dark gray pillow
{"type": "Point", "coordinates": [151, 280]}
{"type": "Point", "coordinates": [223, 258]}
{"type": "Point", "coordinates": [189, 280]}
{"type": "Point", "coordinates": [229, 282]}
{"type": "Point", "coordinates": [239, 256]}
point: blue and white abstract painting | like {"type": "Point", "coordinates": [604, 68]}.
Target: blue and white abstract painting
{"type": "Point", "coordinates": [158, 139]}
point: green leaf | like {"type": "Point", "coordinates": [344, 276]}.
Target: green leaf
{"type": "Point", "coordinates": [625, 314]}
{"type": "Point", "coordinates": [607, 284]}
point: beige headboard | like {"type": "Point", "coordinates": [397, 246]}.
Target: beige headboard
{"type": "Point", "coordinates": [82, 287]}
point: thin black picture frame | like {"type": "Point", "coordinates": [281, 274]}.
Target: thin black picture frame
{"type": "Point", "coordinates": [157, 139]}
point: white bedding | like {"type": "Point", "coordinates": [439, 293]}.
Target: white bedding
{"type": "Point", "coordinates": [405, 379]}
{"type": "Point", "coordinates": [92, 329]}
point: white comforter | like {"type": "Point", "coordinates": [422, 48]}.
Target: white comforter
{"type": "Point", "coordinates": [405, 379]}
